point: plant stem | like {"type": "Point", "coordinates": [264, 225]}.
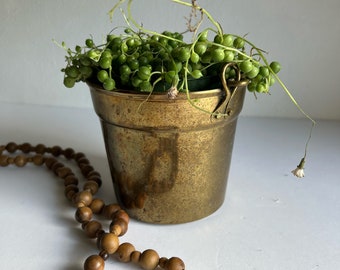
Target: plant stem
{"type": "Point", "coordinates": [216, 24]}
{"type": "Point", "coordinates": [139, 27]}
{"type": "Point", "coordinates": [279, 80]}
{"type": "Point", "coordinates": [297, 105]}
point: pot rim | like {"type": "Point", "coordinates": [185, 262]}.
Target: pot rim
{"type": "Point", "coordinates": [162, 96]}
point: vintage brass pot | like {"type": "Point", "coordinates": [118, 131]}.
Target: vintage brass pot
{"type": "Point", "coordinates": [169, 161]}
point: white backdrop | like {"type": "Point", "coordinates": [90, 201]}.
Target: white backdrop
{"type": "Point", "coordinates": [303, 35]}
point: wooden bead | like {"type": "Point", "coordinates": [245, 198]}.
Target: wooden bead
{"type": "Point", "coordinates": [83, 197]}
{"type": "Point", "coordinates": [122, 214]}
{"type": "Point", "coordinates": [82, 160]}
{"type": "Point", "coordinates": [94, 262]}
{"type": "Point", "coordinates": [162, 262]}
{"type": "Point", "coordinates": [49, 162]}
{"type": "Point", "coordinates": [110, 209]}
{"type": "Point", "coordinates": [86, 169]}
{"type": "Point", "coordinates": [92, 228]}
{"type": "Point", "coordinates": [11, 147]}
{"type": "Point", "coordinates": [109, 242]}
{"type": "Point", "coordinates": [173, 263]}
{"type": "Point", "coordinates": [71, 191]}
{"type": "Point", "coordinates": [100, 233]}
{"type": "Point", "coordinates": [84, 224]}
{"type": "Point", "coordinates": [93, 174]}
{"type": "Point", "coordinates": [25, 148]}
{"type": "Point", "coordinates": [20, 161]}
{"type": "Point", "coordinates": [95, 178]}
{"type": "Point", "coordinates": [57, 165]}
{"type": "Point", "coordinates": [10, 160]}
{"type": "Point", "coordinates": [78, 156]}
{"type": "Point", "coordinates": [92, 186]}
{"type": "Point", "coordinates": [83, 214]}
{"type": "Point", "coordinates": [71, 179]}
{"type": "Point", "coordinates": [116, 230]}
{"type": "Point", "coordinates": [99, 238]}
{"type": "Point", "coordinates": [62, 172]}
{"type": "Point", "coordinates": [38, 160]}
{"type": "Point", "coordinates": [68, 153]}
{"type": "Point", "coordinates": [149, 259]}
{"type": "Point", "coordinates": [135, 255]}
{"type": "Point", "coordinates": [124, 251]}
{"type": "Point", "coordinates": [56, 151]}
{"type": "Point", "coordinates": [119, 222]}
{"type": "Point", "coordinates": [104, 255]}
{"type": "Point", "coordinates": [3, 161]}
{"type": "Point", "coordinates": [97, 206]}
{"type": "Point", "coordinates": [40, 149]}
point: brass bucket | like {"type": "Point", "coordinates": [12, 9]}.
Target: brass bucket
{"type": "Point", "coordinates": [169, 161]}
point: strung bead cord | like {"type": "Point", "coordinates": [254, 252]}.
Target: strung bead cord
{"type": "Point", "coordinates": [87, 206]}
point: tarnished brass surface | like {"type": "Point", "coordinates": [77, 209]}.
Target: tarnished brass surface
{"type": "Point", "coordinates": [169, 161]}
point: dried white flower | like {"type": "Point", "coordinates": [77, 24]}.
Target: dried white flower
{"type": "Point", "coordinates": [299, 172]}
{"type": "Point", "coordinates": [172, 92]}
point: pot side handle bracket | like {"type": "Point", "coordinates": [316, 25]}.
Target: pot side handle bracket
{"type": "Point", "coordinates": [223, 108]}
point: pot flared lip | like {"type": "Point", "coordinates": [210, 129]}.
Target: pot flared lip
{"type": "Point", "coordinates": [155, 96]}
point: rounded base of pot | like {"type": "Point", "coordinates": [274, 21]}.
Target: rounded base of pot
{"type": "Point", "coordinates": [173, 214]}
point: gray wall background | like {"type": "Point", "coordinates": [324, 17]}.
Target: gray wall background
{"type": "Point", "coordinates": [303, 35]}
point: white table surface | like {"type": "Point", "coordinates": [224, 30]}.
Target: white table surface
{"type": "Point", "coordinates": [270, 220]}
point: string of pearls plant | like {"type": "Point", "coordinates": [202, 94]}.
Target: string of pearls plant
{"type": "Point", "coordinates": [142, 60]}
{"type": "Point", "coordinates": [87, 206]}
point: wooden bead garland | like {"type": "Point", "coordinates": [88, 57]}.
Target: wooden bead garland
{"type": "Point", "coordinates": [87, 206]}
